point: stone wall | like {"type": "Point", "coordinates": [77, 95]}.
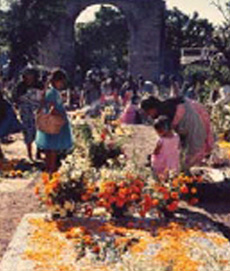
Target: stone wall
{"type": "Point", "coordinates": [145, 20]}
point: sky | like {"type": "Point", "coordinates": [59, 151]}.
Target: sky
{"type": "Point", "coordinates": [204, 8]}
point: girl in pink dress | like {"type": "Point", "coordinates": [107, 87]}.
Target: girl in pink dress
{"type": "Point", "coordinates": [166, 156]}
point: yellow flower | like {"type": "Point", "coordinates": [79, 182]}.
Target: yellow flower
{"type": "Point", "coordinates": [62, 212]}
{"type": "Point", "coordinates": [56, 175]}
{"type": "Point", "coordinates": [69, 206]}
{"type": "Point", "coordinates": [19, 173]}
{"type": "Point", "coordinates": [119, 131]}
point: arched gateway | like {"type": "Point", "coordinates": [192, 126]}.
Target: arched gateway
{"type": "Point", "coordinates": [145, 19]}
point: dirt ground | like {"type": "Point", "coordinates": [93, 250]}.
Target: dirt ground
{"type": "Point", "coordinates": [15, 203]}
{"type": "Point", "coordinates": [16, 198]}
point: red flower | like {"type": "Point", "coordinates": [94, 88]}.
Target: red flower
{"type": "Point", "coordinates": [174, 195]}
{"type": "Point", "coordinates": [166, 196]}
{"type": "Point", "coordinates": [163, 190]}
{"type": "Point", "coordinates": [172, 207]}
{"type": "Point", "coordinates": [103, 136]}
{"type": "Point", "coordinates": [142, 213]}
{"type": "Point", "coordinates": [193, 201]}
{"type": "Point", "coordinates": [184, 189]}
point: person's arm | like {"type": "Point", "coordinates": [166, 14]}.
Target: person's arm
{"type": "Point", "coordinates": [158, 147]}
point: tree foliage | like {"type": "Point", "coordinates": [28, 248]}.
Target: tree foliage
{"type": "Point", "coordinates": [3, 28]}
{"type": "Point", "coordinates": [221, 40]}
{"type": "Point", "coordinates": [103, 42]}
{"type": "Point", "coordinates": [28, 24]}
{"type": "Point", "coordinates": [185, 31]}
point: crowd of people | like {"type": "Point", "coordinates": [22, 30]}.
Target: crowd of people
{"type": "Point", "coordinates": [181, 122]}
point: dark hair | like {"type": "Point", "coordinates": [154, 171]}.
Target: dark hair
{"type": "Point", "coordinates": [162, 122]}
{"type": "Point", "coordinates": [135, 99]}
{"type": "Point", "coordinates": [58, 75]}
{"type": "Point", "coordinates": [150, 103]}
{"type": "Point", "coordinates": [166, 108]}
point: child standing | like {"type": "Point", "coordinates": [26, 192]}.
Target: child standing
{"type": "Point", "coordinates": [52, 144]}
{"type": "Point", "coordinates": [166, 156]}
{"type": "Point", "coordinates": [131, 114]}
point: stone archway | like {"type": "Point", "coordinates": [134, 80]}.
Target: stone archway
{"type": "Point", "coordinates": [145, 20]}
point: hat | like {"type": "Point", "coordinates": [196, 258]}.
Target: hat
{"type": "Point", "coordinates": [148, 87]}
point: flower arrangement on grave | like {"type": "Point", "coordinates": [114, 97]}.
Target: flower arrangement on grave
{"type": "Point", "coordinates": [221, 153]}
{"type": "Point", "coordinates": [103, 245]}
{"type": "Point", "coordinates": [98, 143]}
{"type": "Point", "coordinates": [167, 195]}
{"type": "Point", "coordinates": [126, 190]}
{"type": "Point", "coordinates": [220, 118]}
{"type": "Point", "coordinates": [14, 168]}
{"type": "Point", "coordinates": [81, 189]}
{"type": "Point", "coordinates": [67, 193]}
{"type": "Point", "coordinates": [120, 190]}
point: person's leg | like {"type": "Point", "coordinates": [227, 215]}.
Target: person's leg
{"type": "Point", "coordinates": [1, 153]}
{"type": "Point", "coordinates": [29, 151]}
{"type": "Point", "coordinates": [38, 154]}
{"type": "Point", "coordinates": [51, 161]}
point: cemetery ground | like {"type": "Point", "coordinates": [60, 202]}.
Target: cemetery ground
{"type": "Point", "coordinates": [17, 194]}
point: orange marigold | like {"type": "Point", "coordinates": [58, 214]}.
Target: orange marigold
{"type": "Point", "coordinates": [174, 195]}
{"type": "Point", "coordinates": [155, 202]}
{"type": "Point", "coordinates": [193, 190]}
{"type": "Point", "coordinates": [184, 189]}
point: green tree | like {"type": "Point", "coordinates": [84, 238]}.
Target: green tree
{"type": "Point", "coordinates": [221, 40]}
{"type": "Point", "coordinates": [103, 42]}
{"type": "Point", "coordinates": [28, 24]}
{"type": "Point", "coordinates": [185, 31]}
{"type": "Point", "coordinates": [3, 28]}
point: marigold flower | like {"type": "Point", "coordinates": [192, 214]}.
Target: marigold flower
{"type": "Point", "coordinates": [85, 197]}
{"type": "Point", "coordinates": [139, 183]}
{"type": "Point", "coordinates": [122, 184]}
{"type": "Point", "coordinates": [136, 189]}
{"type": "Point", "coordinates": [142, 213]}
{"type": "Point", "coordinates": [155, 202]}
{"type": "Point", "coordinates": [48, 189]}
{"type": "Point", "coordinates": [193, 201]}
{"type": "Point", "coordinates": [19, 173]}
{"type": "Point", "coordinates": [166, 196]}
{"type": "Point", "coordinates": [36, 190]}
{"type": "Point", "coordinates": [56, 175]}
{"type": "Point", "coordinates": [122, 193]}
{"type": "Point", "coordinates": [120, 202]}
{"type": "Point", "coordinates": [172, 207]}
{"type": "Point", "coordinates": [96, 249]}
{"type": "Point", "coordinates": [88, 239]}
{"type": "Point", "coordinates": [162, 189]}
{"type": "Point", "coordinates": [193, 190]}
{"type": "Point", "coordinates": [174, 195]}
{"type": "Point", "coordinates": [45, 178]}
{"type": "Point", "coordinates": [134, 197]}
{"type": "Point", "coordinates": [175, 183]}
{"type": "Point", "coordinates": [13, 173]}
{"type": "Point", "coordinates": [112, 199]}
{"type": "Point", "coordinates": [184, 189]}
